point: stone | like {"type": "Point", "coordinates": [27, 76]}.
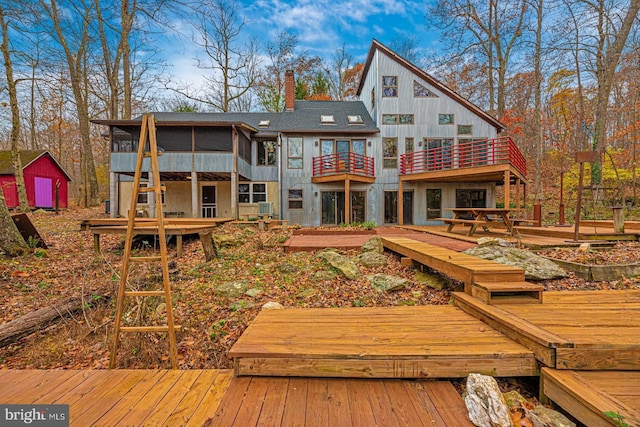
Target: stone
{"type": "Point", "coordinates": [307, 293]}
{"type": "Point", "coordinates": [434, 281]}
{"type": "Point", "coordinates": [493, 241]}
{"type": "Point", "coordinates": [272, 305]}
{"type": "Point", "coordinates": [343, 264]}
{"type": "Point", "coordinates": [241, 304]}
{"type": "Point", "coordinates": [254, 292]}
{"type": "Point", "coordinates": [387, 283]}
{"type": "Point", "coordinates": [371, 259]}
{"type": "Point", "coordinates": [535, 267]}
{"type": "Point", "coordinates": [287, 268]}
{"type": "Point", "coordinates": [323, 276]}
{"type": "Point", "coordinates": [541, 416]}
{"type": "Point", "coordinates": [374, 244]}
{"type": "Point", "coordinates": [485, 403]}
{"type": "Point", "coordinates": [225, 240]}
{"type": "Point", "coordinates": [513, 399]}
{"type": "Point", "coordinates": [233, 289]}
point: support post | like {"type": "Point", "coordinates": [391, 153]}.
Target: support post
{"type": "Point", "coordinates": [194, 195]}
{"type": "Point", "coordinates": [347, 201]}
{"type": "Point", "coordinates": [576, 231]}
{"type": "Point", "coordinates": [507, 189]}
{"type": "Point", "coordinates": [400, 204]}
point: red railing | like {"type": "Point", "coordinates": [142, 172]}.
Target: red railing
{"type": "Point", "coordinates": [337, 163]}
{"type": "Point", "coordinates": [474, 153]}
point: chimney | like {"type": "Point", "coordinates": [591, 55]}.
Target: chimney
{"type": "Point", "coordinates": [289, 90]}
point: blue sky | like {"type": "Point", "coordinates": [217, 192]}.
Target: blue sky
{"type": "Point", "coordinates": [323, 26]}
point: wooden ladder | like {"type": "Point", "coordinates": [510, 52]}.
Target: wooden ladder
{"type": "Point", "coordinates": [147, 130]}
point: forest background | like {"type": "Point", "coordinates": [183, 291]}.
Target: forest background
{"type": "Point", "coordinates": [563, 75]}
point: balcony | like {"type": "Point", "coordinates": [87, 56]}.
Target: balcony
{"type": "Point", "coordinates": [338, 166]}
{"type": "Point", "coordinates": [475, 160]}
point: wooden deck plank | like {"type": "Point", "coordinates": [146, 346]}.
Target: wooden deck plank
{"type": "Point", "coordinates": [209, 404]}
{"type": "Point", "coordinates": [406, 409]}
{"type": "Point", "coordinates": [338, 397]}
{"type": "Point", "coordinates": [231, 402]}
{"type": "Point", "coordinates": [31, 391]}
{"type": "Point", "coordinates": [65, 387]}
{"type": "Point", "coordinates": [118, 413]}
{"type": "Point", "coordinates": [295, 409]}
{"type": "Point", "coordinates": [172, 398]}
{"type": "Point", "coordinates": [447, 402]}
{"type": "Point", "coordinates": [359, 403]}
{"type": "Point", "coordinates": [318, 402]}
{"type": "Point", "coordinates": [577, 395]}
{"type": "Point", "coordinates": [275, 399]}
{"type": "Point", "coordinates": [383, 409]}
{"type": "Point", "coordinates": [253, 401]}
{"type": "Point", "coordinates": [192, 398]}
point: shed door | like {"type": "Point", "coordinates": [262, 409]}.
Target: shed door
{"type": "Point", "coordinates": [44, 192]}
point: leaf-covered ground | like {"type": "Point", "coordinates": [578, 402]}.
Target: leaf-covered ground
{"type": "Point", "coordinates": [211, 323]}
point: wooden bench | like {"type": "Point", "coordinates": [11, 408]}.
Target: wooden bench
{"type": "Point", "coordinates": [471, 222]}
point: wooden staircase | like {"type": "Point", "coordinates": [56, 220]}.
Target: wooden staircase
{"type": "Point", "coordinates": [506, 292]}
{"type": "Point", "coordinates": [147, 131]}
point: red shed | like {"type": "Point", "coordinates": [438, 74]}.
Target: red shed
{"type": "Point", "coordinates": [42, 174]}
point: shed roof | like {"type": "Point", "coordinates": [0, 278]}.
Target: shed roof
{"type": "Point", "coordinates": [27, 157]}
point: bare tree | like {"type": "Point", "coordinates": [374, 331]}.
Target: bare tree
{"type": "Point", "coordinates": [15, 112]}
{"type": "Point", "coordinates": [73, 37]}
{"type": "Point", "coordinates": [342, 61]}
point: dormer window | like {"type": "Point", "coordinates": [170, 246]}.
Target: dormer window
{"type": "Point", "coordinates": [264, 123]}
{"type": "Point", "coordinates": [327, 120]}
{"type": "Point", "coordinates": [355, 120]}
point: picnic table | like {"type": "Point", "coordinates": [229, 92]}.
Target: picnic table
{"type": "Point", "coordinates": [484, 217]}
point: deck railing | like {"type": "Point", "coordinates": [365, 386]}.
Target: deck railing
{"type": "Point", "coordinates": [348, 162]}
{"type": "Point", "coordinates": [468, 154]}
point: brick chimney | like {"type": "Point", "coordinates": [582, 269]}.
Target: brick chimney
{"type": "Point", "coordinates": [289, 90]}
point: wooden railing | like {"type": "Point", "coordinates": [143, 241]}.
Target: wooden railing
{"type": "Point", "coordinates": [338, 163]}
{"type": "Point", "coordinates": [469, 154]}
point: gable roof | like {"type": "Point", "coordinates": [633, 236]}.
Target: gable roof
{"type": "Point", "coordinates": [26, 158]}
{"type": "Point", "coordinates": [376, 45]}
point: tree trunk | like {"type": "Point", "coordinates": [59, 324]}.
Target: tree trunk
{"type": "Point", "coordinates": [37, 320]}
{"type": "Point", "coordinates": [15, 115]}
{"type": "Point", "coordinates": [11, 242]}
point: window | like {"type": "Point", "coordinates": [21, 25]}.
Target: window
{"type": "Point", "coordinates": [390, 207]}
{"type": "Point", "coordinates": [390, 147]}
{"type": "Point", "coordinates": [294, 153]}
{"type": "Point", "coordinates": [266, 153]}
{"type": "Point", "coordinates": [264, 123]}
{"type": "Point", "coordinates": [439, 153]}
{"type": "Point", "coordinates": [355, 120]}
{"type": "Point", "coordinates": [295, 199]}
{"type": "Point", "coordinates": [471, 198]}
{"type": "Point", "coordinates": [434, 203]}
{"type": "Point", "coordinates": [408, 145]}
{"type": "Point", "coordinates": [445, 119]}
{"type": "Point", "coordinates": [252, 192]}
{"type": "Point", "coordinates": [394, 119]}
{"type": "Point", "coordinates": [327, 120]}
{"type": "Point", "coordinates": [465, 129]}
{"type": "Point", "coordinates": [389, 85]}
{"type": "Point", "coordinates": [419, 91]}
{"type": "Point", "coordinates": [143, 198]}
{"type": "Point", "coordinates": [373, 98]}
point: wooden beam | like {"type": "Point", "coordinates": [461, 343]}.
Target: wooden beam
{"type": "Point", "coordinates": [507, 189]}
{"type": "Point", "coordinates": [347, 201]}
{"type": "Point", "coordinates": [400, 204]}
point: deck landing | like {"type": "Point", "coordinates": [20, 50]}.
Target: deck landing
{"type": "Point", "coordinates": [385, 342]}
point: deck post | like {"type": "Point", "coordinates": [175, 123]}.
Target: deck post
{"type": "Point", "coordinates": [194, 194]}
{"type": "Point", "coordinates": [507, 185]}
{"type": "Point", "coordinates": [400, 204]}
{"type": "Point", "coordinates": [517, 197]}
{"type": "Point", "coordinates": [347, 201]}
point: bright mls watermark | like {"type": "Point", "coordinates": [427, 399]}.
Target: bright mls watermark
{"type": "Point", "coordinates": [36, 415]}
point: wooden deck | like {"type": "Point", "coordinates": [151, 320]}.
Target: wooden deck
{"type": "Point", "coordinates": [385, 342]}
{"type": "Point", "coordinates": [587, 395]}
{"type": "Point", "coordinates": [586, 330]}
{"type": "Point", "coordinates": [121, 397]}
{"type": "Point", "coordinates": [465, 268]}
{"type": "Point", "coordinates": [339, 402]}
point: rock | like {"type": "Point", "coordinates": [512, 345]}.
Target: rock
{"type": "Point", "coordinates": [541, 416]}
{"type": "Point", "coordinates": [287, 268]}
{"type": "Point", "coordinates": [432, 280]}
{"type": "Point", "coordinates": [485, 403]}
{"type": "Point", "coordinates": [241, 304]}
{"type": "Point", "coordinates": [535, 267]}
{"type": "Point", "coordinates": [371, 259]}
{"type": "Point", "coordinates": [585, 247]}
{"type": "Point", "coordinates": [513, 399]}
{"type": "Point", "coordinates": [492, 241]}
{"type": "Point", "coordinates": [323, 276]}
{"type": "Point", "coordinates": [347, 267]}
{"type": "Point", "coordinates": [161, 308]}
{"type": "Point", "coordinates": [254, 292]}
{"type": "Point", "coordinates": [306, 293]}
{"type": "Point", "coordinates": [233, 289]}
{"type": "Point", "coordinates": [374, 244]}
{"type": "Point", "coordinates": [387, 283]}
{"type": "Point", "coordinates": [272, 305]}
{"type": "Point", "coordinates": [225, 240]}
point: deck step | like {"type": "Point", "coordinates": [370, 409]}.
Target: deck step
{"type": "Point", "coordinates": [506, 292]}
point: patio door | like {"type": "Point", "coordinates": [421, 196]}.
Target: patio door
{"type": "Point", "coordinates": [333, 207]}
{"type": "Point", "coordinates": [208, 201]}
{"type": "Point", "coordinates": [358, 203]}
{"type": "Point", "coordinates": [407, 207]}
